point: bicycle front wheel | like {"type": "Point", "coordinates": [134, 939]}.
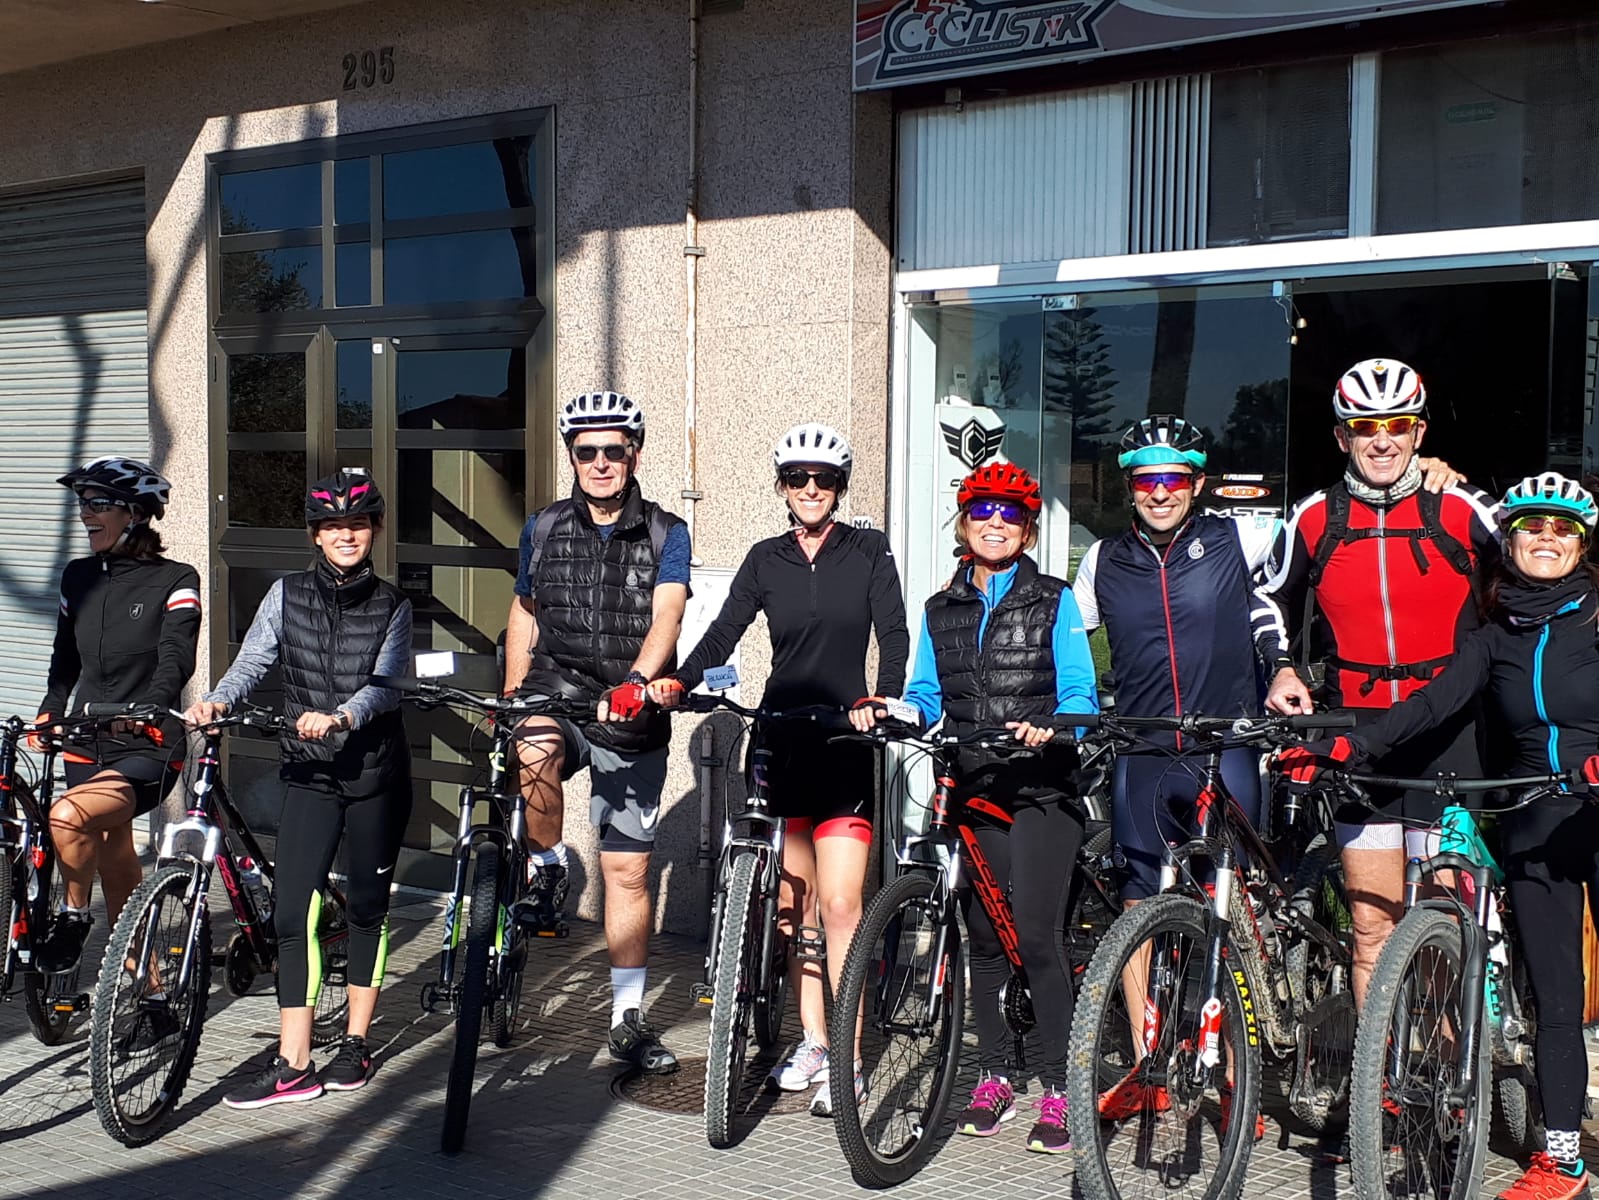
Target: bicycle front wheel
{"type": "Point", "coordinates": [1167, 1125]}
{"type": "Point", "coordinates": [903, 980]}
{"type": "Point", "coordinates": [482, 925]}
{"type": "Point", "coordinates": [733, 1000]}
{"type": "Point", "coordinates": [146, 1018]}
{"type": "Point", "coordinates": [1411, 1133]}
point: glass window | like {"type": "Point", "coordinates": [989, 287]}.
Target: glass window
{"type": "Point", "coordinates": [461, 609]}
{"type": "Point", "coordinates": [266, 488]}
{"type": "Point", "coordinates": [277, 198]}
{"type": "Point", "coordinates": [1279, 154]}
{"type": "Point", "coordinates": [352, 191]}
{"type": "Point", "coordinates": [1489, 133]}
{"type": "Point", "coordinates": [494, 264]}
{"type": "Point", "coordinates": [258, 281]}
{"type": "Point", "coordinates": [444, 180]}
{"type": "Point", "coordinates": [462, 389]}
{"type": "Point", "coordinates": [352, 274]}
{"type": "Point", "coordinates": [462, 497]}
{"type": "Point", "coordinates": [353, 370]}
{"type": "Point", "coordinates": [266, 393]}
{"type": "Point", "coordinates": [247, 587]}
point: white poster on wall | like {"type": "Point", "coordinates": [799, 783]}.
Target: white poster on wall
{"type": "Point", "coordinates": [710, 586]}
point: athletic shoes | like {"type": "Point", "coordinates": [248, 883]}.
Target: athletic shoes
{"type": "Point", "coordinates": [279, 1083]}
{"type": "Point", "coordinates": [63, 946]}
{"type": "Point", "coordinates": [1548, 1178]}
{"type": "Point", "coordinates": [351, 1067]}
{"type": "Point", "coordinates": [806, 1066]}
{"type": "Point", "coordinates": [822, 1102]}
{"type": "Point", "coordinates": [635, 1043]}
{"type": "Point", "coordinates": [1050, 1135]}
{"type": "Point", "coordinates": [546, 898]}
{"type": "Point", "coordinates": [1130, 1095]}
{"type": "Point", "coordinates": [992, 1104]}
{"type": "Point", "coordinates": [1226, 1095]}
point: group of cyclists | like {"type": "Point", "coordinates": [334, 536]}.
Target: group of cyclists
{"type": "Point", "coordinates": [1442, 613]}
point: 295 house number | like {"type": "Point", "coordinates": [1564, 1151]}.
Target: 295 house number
{"type": "Point", "coordinates": [368, 68]}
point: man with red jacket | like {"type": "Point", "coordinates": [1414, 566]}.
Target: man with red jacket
{"type": "Point", "coordinates": [1388, 564]}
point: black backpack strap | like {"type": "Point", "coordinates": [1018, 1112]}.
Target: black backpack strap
{"type": "Point", "coordinates": [1432, 520]}
{"type": "Point", "coordinates": [1333, 534]}
{"type": "Point", "coordinates": [542, 525]}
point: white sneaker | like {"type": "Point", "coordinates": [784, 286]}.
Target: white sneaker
{"type": "Point", "coordinates": [822, 1102]}
{"type": "Point", "coordinates": [807, 1065]}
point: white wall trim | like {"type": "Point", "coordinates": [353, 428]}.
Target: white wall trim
{"type": "Point", "coordinates": [1364, 83]}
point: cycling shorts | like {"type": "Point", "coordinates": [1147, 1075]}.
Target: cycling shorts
{"type": "Point", "coordinates": [811, 778]}
{"type": "Point", "coordinates": [150, 776]}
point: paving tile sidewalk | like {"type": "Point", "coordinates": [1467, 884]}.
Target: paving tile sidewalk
{"type": "Point", "coordinates": [551, 1117]}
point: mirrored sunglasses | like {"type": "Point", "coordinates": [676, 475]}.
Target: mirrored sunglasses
{"type": "Point", "coordinates": [1371, 426]}
{"type": "Point", "coordinates": [1172, 481]}
{"type": "Point", "coordinates": [984, 510]}
{"type": "Point", "coordinates": [1560, 527]}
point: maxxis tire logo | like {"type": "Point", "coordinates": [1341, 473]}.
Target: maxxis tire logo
{"type": "Point", "coordinates": [1251, 1032]}
{"type": "Point", "coordinates": [975, 441]}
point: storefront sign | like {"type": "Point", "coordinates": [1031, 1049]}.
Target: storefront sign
{"type": "Point", "coordinates": [904, 41]}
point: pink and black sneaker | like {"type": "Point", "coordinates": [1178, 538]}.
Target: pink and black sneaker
{"type": "Point", "coordinates": [992, 1104]}
{"type": "Point", "coordinates": [278, 1083]}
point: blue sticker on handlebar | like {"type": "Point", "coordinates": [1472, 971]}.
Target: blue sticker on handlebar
{"type": "Point", "coordinates": [719, 679]}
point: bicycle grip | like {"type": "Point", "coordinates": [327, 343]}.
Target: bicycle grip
{"type": "Point", "coordinates": [101, 709]}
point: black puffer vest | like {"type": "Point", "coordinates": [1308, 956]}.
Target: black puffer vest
{"type": "Point", "coordinates": [1011, 675]}
{"type": "Point", "coordinates": [327, 648]}
{"type": "Point", "coordinates": [595, 601]}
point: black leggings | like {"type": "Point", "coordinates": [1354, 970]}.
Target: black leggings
{"type": "Point", "coordinates": [314, 819]}
{"type": "Point", "coordinates": [1551, 850]}
{"type": "Point", "coordinates": [1037, 856]}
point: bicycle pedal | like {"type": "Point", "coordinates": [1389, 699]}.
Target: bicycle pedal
{"type": "Point", "coordinates": [810, 942]}
{"type": "Point", "coordinates": [559, 930]}
{"type": "Point", "coordinates": [701, 993]}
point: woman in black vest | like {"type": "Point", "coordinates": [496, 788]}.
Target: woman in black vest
{"type": "Point", "coordinates": [347, 767]}
{"type": "Point", "coordinates": [1003, 645]}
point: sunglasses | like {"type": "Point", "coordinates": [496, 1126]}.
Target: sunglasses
{"type": "Point", "coordinates": [1560, 527]}
{"type": "Point", "coordinates": [614, 452]}
{"type": "Point", "coordinates": [100, 504]}
{"type": "Point", "coordinates": [1172, 481]}
{"type": "Point", "coordinates": [798, 477]}
{"type": "Point", "coordinates": [1371, 426]}
{"type": "Point", "coordinates": [984, 510]}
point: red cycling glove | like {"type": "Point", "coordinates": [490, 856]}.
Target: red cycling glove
{"type": "Point", "coordinates": [36, 740]}
{"type": "Point", "coordinates": [1590, 768]}
{"type": "Point", "coordinates": [626, 700]}
{"type": "Point", "coordinates": [1302, 765]}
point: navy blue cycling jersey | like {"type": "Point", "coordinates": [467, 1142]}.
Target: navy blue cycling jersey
{"type": "Point", "coordinates": [1179, 616]}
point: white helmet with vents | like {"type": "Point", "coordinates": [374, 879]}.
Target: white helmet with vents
{"type": "Point", "coordinates": [821, 445]}
{"type": "Point", "coordinates": [601, 410]}
{"type": "Point", "coordinates": [1379, 387]}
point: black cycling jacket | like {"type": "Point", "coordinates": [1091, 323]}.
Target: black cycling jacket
{"type": "Point", "coordinates": [126, 633]}
{"type": "Point", "coordinates": [819, 615]}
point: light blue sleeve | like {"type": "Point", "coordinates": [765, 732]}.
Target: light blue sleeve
{"type": "Point", "coordinates": [257, 653]}
{"type": "Point", "coordinates": [923, 689]}
{"type": "Point", "coordinates": [1075, 689]}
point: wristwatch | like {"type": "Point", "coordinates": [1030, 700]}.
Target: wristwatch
{"type": "Point", "coordinates": [635, 677]}
{"type": "Point", "coordinates": [342, 716]}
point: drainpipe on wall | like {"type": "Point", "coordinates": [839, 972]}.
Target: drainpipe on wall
{"type": "Point", "coordinates": [692, 253]}
{"type": "Point", "coordinates": [707, 860]}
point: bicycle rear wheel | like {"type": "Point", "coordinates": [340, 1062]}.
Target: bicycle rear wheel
{"type": "Point", "coordinates": [733, 1000]}
{"type": "Point", "coordinates": [1323, 1004]}
{"type": "Point", "coordinates": [1159, 1133]}
{"type": "Point", "coordinates": [772, 1002]}
{"type": "Point", "coordinates": [509, 965]}
{"type": "Point", "coordinates": [1090, 917]}
{"type": "Point", "coordinates": [333, 1001]}
{"type": "Point", "coordinates": [51, 1000]}
{"type": "Point", "coordinates": [1408, 1136]}
{"type": "Point", "coordinates": [904, 981]}
{"type": "Point", "coordinates": [482, 924]}
{"type": "Point", "coordinates": [145, 1024]}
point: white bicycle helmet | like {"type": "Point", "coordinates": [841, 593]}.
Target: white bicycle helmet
{"type": "Point", "coordinates": [601, 410]}
{"type": "Point", "coordinates": [1379, 387]}
{"type": "Point", "coordinates": [819, 444]}
{"type": "Point", "coordinates": [126, 479]}
{"type": "Point", "coordinates": [1550, 493]}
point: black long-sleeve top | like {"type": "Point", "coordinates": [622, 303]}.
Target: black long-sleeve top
{"type": "Point", "coordinates": [819, 614]}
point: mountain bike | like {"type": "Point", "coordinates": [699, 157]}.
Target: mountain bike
{"type": "Point", "coordinates": [487, 979]}
{"type": "Point", "coordinates": [150, 1002]}
{"type": "Point", "coordinates": [904, 978]}
{"type": "Point", "coordinates": [1448, 1002]}
{"type": "Point", "coordinates": [747, 954]}
{"type": "Point", "coordinates": [31, 889]}
{"type": "Point", "coordinates": [1190, 986]}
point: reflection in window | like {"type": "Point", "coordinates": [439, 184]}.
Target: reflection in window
{"type": "Point", "coordinates": [260, 281]}
{"type": "Point", "coordinates": [352, 274]}
{"type": "Point", "coordinates": [353, 371]}
{"type": "Point", "coordinates": [266, 393]}
{"type": "Point", "coordinates": [247, 587]}
{"type": "Point", "coordinates": [462, 497]}
{"type": "Point", "coordinates": [493, 264]}
{"type": "Point", "coordinates": [471, 178]}
{"type": "Point", "coordinates": [266, 488]}
{"type": "Point", "coordinates": [352, 188]}
{"type": "Point", "coordinates": [278, 198]}
{"type": "Point", "coordinates": [462, 389]}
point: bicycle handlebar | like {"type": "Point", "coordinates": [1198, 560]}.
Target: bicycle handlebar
{"type": "Point", "coordinates": [1449, 785]}
{"type": "Point", "coordinates": [425, 691]}
{"type": "Point", "coordinates": [698, 702]}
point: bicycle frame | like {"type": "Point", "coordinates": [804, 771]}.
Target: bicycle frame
{"type": "Point", "coordinates": [25, 840]}
{"type": "Point", "coordinates": [768, 848]}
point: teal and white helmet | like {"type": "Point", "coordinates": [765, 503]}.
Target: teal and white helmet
{"type": "Point", "coordinates": [1162, 440]}
{"type": "Point", "coordinates": [1552, 494]}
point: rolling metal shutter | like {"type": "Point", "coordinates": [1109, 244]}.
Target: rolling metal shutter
{"type": "Point", "coordinates": [73, 385]}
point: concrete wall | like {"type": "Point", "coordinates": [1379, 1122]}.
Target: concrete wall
{"type": "Point", "coordinates": [796, 195]}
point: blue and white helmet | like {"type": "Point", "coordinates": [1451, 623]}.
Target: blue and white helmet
{"type": "Point", "coordinates": [1162, 440]}
{"type": "Point", "coordinates": [1552, 494]}
{"type": "Point", "coordinates": [601, 410]}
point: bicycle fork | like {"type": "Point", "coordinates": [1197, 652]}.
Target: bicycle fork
{"type": "Point", "coordinates": [1474, 960]}
{"type": "Point", "coordinates": [1165, 978]}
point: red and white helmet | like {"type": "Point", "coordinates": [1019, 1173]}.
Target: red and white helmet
{"type": "Point", "coordinates": [1379, 387]}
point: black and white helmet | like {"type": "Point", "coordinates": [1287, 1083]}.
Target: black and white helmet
{"type": "Point", "coordinates": [813, 443]}
{"type": "Point", "coordinates": [1379, 387]}
{"type": "Point", "coordinates": [601, 410]}
{"type": "Point", "coordinates": [125, 479]}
